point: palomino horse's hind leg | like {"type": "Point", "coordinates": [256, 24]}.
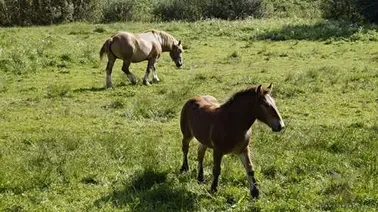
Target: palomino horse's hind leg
{"type": "Point", "coordinates": [125, 69]}
{"type": "Point", "coordinates": [217, 157]}
{"type": "Point", "coordinates": [246, 160]}
{"type": "Point", "coordinates": [185, 150]}
{"type": "Point", "coordinates": [109, 69]}
{"type": "Point", "coordinates": [201, 154]}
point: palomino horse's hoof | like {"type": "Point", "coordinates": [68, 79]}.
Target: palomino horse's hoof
{"type": "Point", "coordinates": [145, 82]}
{"type": "Point", "coordinates": [134, 81]}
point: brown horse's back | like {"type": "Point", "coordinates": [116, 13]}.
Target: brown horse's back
{"type": "Point", "coordinates": [197, 118]}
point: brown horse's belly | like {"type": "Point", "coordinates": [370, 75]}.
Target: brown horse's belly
{"type": "Point", "coordinates": [228, 143]}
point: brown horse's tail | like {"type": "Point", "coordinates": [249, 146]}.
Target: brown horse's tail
{"type": "Point", "coordinates": [105, 48]}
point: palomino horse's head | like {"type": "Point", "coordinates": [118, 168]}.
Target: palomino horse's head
{"type": "Point", "coordinates": [269, 113]}
{"type": "Point", "coordinates": [176, 54]}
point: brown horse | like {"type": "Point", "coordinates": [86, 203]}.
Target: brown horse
{"type": "Point", "coordinates": [226, 128]}
{"type": "Point", "coordinates": [135, 48]}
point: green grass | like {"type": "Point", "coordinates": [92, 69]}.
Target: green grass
{"type": "Point", "coordinates": [68, 144]}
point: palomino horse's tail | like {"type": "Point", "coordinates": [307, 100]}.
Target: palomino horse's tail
{"type": "Point", "coordinates": [105, 48]}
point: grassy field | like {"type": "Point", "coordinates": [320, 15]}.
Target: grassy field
{"type": "Point", "coordinates": [68, 144]}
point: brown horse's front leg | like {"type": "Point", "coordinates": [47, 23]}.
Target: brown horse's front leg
{"type": "Point", "coordinates": [217, 157]}
{"type": "Point", "coordinates": [246, 160]}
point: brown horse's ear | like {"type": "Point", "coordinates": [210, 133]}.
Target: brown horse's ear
{"type": "Point", "coordinates": [179, 43]}
{"type": "Point", "coordinates": [259, 89]}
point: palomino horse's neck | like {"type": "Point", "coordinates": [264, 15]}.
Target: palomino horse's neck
{"type": "Point", "coordinates": [166, 40]}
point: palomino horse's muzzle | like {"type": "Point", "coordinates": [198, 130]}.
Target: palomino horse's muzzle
{"type": "Point", "coordinates": [277, 126]}
{"type": "Point", "coordinates": [178, 63]}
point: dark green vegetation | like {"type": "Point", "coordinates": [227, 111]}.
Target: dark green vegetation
{"type": "Point", "coordinates": [68, 144]}
{"type": "Point", "coordinates": [38, 12]}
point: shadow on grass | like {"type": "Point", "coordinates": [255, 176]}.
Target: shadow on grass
{"type": "Point", "coordinates": [320, 31]}
{"type": "Point", "coordinates": [150, 191]}
{"type": "Point", "coordinates": [81, 90]}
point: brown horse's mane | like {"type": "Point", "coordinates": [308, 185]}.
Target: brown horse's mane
{"type": "Point", "coordinates": [247, 92]}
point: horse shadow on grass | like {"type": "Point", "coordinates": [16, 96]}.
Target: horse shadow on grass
{"type": "Point", "coordinates": [320, 31]}
{"type": "Point", "coordinates": [150, 190]}
{"type": "Point", "coordinates": [90, 89]}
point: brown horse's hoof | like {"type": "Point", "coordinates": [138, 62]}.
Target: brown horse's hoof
{"type": "Point", "coordinates": [184, 169]}
{"type": "Point", "coordinates": [200, 180]}
{"type": "Point", "coordinates": [255, 192]}
{"type": "Point", "coordinates": [155, 80]}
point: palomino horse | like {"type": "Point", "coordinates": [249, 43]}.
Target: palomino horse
{"type": "Point", "coordinates": [135, 48]}
{"type": "Point", "coordinates": [226, 128]}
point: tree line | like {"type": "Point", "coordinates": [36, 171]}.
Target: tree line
{"type": "Point", "coordinates": [47, 12]}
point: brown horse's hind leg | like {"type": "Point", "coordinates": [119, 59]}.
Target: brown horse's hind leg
{"type": "Point", "coordinates": [201, 154]}
{"type": "Point", "coordinates": [217, 157]}
{"type": "Point", "coordinates": [185, 150]}
{"type": "Point", "coordinates": [246, 160]}
{"type": "Point", "coordinates": [109, 69]}
{"type": "Point", "coordinates": [125, 69]}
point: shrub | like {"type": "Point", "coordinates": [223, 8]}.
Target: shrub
{"type": "Point", "coordinates": [179, 10]}
{"type": "Point", "coordinates": [196, 10]}
{"type": "Point", "coordinates": [351, 10]}
{"type": "Point", "coordinates": [120, 10]}
{"type": "Point", "coordinates": [233, 9]}
{"type": "Point", "coordinates": [45, 12]}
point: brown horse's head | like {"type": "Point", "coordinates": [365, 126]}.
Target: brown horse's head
{"type": "Point", "coordinates": [268, 110]}
{"type": "Point", "coordinates": [176, 54]}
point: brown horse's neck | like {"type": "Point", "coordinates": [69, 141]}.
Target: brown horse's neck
{"type": "Point", "coordinates": [240, 109]}
{"type": "Point", "coordinates": [166, 41]}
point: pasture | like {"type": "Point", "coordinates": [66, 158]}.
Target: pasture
{"type": "Point", "coordinates": [69, 144]}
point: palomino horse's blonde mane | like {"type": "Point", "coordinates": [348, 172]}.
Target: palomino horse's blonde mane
{"type": "Point", "coordinates": [166, 40]}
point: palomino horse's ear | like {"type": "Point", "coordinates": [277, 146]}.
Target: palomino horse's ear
{"type": "Point", "coordinates": [270, 88]}
{"type": "Point", "coordinates": [259, 89]}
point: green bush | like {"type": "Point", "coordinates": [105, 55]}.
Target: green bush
{"type": "Point", "coordinates": [179, 10]}
{"type": "Point", "coordinates": [233, 9]}
{"type": "Point", "coordinates": [120, 10]}
{"type": "Point", "coordinates": [351, 10]}
{"type": "Point", "coordinates": [196, 10]}
{"type": "Point", "coordinates": [341, 9]}
{"type": "Point", "coordinates": [46, 12]}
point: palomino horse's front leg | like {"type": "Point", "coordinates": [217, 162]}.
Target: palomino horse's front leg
{"type": "Point", "coordinates": [125, 69]}
{"type": "Point", "coordinates": [217, 157]}
{"type": "Point", "coordinates": [150, 66]}
{"type": "Point", "coordinates": [155, 77]}
{"type": "Point", "coordinates": [246, 160]}
{"type": "Point", "coordinates": [201, 154]}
